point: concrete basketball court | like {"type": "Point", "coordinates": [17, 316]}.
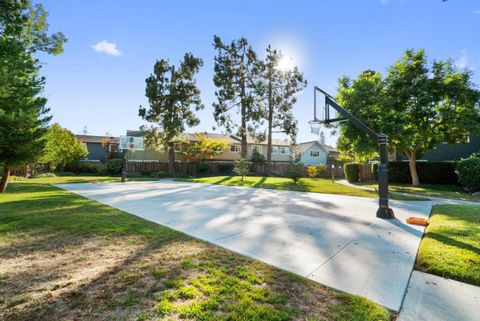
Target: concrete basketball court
{"type": "Point", "coordinates": [332, 239]}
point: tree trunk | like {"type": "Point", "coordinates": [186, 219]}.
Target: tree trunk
{"type": "Point", "coordinates": [268, 169]}
{"type": "Point", "coordinates": [412, 164]}
{"type": "Point", "coordinates": [243, 115]}
{"type": "Point", "coordinates": [4, 181]}
{"type": "Point", "coordinates": [243, 129]}
{"type": "Point", "coordinates": [244, 138]}
{"type": "Point", "coordinates": [171, 160]}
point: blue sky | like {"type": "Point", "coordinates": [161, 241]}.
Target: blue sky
{"type": "Point", "coordinates": [99, 80]}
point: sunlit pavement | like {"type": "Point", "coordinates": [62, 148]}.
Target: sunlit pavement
{"type": "Point", "coordinates": [332, 239]}
{"type": "Point", "coordinates": [432, 297]}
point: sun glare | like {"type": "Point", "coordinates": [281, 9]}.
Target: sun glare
{"type": "Point", "coordinates": [286, 64]}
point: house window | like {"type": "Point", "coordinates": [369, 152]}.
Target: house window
{"type": "Point", "coordinates": [314, 153]}
{"type": "Point", "coordinates": [235, 148]}
{"type": "Point", "coordinates": [274, 149]}
{"type": "Point", "coordinates": [257, 148]}
{"type": "Point", "coordinates": [177, 147]}
{"type": "Point", "coordinates": [284, 150]}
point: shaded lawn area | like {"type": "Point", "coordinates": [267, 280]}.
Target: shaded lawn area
{"type": "Point", "coordinates": [316, 185]}
{"type": "Point", "coordinates": [83, 179]}
{"type": "Point", "coordinates": [443, 191]}
{"type": "Point", "coordinates": [65, 257]}
{"type": "Point", "coordinates": [451, 245]}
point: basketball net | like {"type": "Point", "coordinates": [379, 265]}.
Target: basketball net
{"type": "Point", "coordinates": [315, 128]}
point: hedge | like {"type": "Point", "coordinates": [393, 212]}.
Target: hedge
{"type": "Point", "coordinates": [428, 172]}
{"type": "Point", "coordinates": [225, 168]}
{"type": "Point", "coordinates": [352, 172]}
{"type": "Point", "coordinates": [468, 171]}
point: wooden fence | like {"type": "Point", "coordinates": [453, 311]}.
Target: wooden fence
{"type": "Point", "coordinates": [215, 168]}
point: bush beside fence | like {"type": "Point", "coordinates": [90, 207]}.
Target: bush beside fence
{"type": "Point", "coordinates": [428, 173]}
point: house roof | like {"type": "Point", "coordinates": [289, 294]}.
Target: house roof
{"type": "Point", "coordinates": [97, 139]}
{"type": "Point", "coordinates": [230, 138]}
{"type": "Point", "coordinates": [304, 146]}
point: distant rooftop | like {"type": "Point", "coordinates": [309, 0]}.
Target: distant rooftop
{"type": "Point", "coordinates": [304, 146]}
{"type": "Point", "coordinates": [233, 139]}
{"type": "Point", "coordinates": [97, 139]}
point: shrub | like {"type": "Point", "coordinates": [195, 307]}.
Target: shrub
{"type": "Point", "coordinates": [45, 175]}
{"type": "Point", "coordinates": [312, 171]}
{"type": "Point", "coordinates": [114, 166]}
{"type": "Point", "coordinates": [181, 175]}
{"type": "Point", "coordinates": [86, 168]}
{"type": "Point", "coordinates": [468, 171]}
{"type": "Point", "coordinates": [295, 171]}
{"type": "Point", "coordinates": [241, 168]}
{"type": "Point", "coordinates": [146, 173]}
{"type": "Point", "coordinates": [352, 172]}
{"type": "Point", "coordinates": [202, 168]}
{"type": "Point", "coordinates": [257, 158]}
{"type": "Point", "coordinates": [13, 178]}
{"type": "Point", "coordinates": [161, 174]}
{"type": "Point", "coordinates": [428, 173]}
{"type": "Point", "coordinates": [65, 174]}
{"type": "Point", "coordinates": [225, 168]}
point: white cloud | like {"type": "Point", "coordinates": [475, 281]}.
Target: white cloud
{"type": "Point", "coordinates": [463, 61]}
{"type": "Point", "coordinates": [107, 47]}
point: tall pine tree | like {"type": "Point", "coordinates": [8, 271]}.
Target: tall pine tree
{"type": "Point", "coordinates": [235, 77]}
{"type": "Point", "coordinates": [279, 85]}
{"type": "Point", "coordinates": [171, 93]}
{"type": "Point", "coordinates": [23, 115]}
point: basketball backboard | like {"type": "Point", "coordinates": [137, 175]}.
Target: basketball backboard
{"type": "Point", "coordinates": [131, 143]}
{"type": "Point", "coordinates": [323, 112]}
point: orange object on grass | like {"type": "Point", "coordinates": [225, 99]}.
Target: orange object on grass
{"type": "Point", "coordinates": [417, 221]}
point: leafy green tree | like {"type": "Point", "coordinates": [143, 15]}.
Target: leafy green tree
{"type": "Point", "coordinates": [173, 97]}
{"type": "Point", "coordinates": [205, 148]}
{"type": "Point", "coordinates": [278, 88]}
{"type": "Point", "coordinates": [364, 97]}
{"type": "Point", "coordinates": [235, 77]}
{"type": "Point", "coordinates": [23, 115]}
{"type": "Point", "coordinates": [62, 147]}
{"type": "Point", "coordinates": [417, 104]}
{"type": "Point", "coordinates": [241, 168]}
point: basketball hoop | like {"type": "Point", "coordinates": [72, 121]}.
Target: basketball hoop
{"type": "Point", "coordinates": [330, 112]}
{"type": "Point", "coordinates": [315, 128]}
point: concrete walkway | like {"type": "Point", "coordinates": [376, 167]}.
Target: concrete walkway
{"type": "Point", "coordinates": [430, 297]}
{"type": "Point", "coordinates": [332, 239]}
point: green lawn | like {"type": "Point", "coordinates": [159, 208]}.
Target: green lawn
{"type": "Point", "coordinates": [444, 191]}
{"type": "Point", "coordinates": [66, 257]}
{"type": "Point", "coordinates": [316, 185]}
{"type": "Point", "coordinates": [83, 179]}
{"type": "Point", "coordinates": [451, 246]}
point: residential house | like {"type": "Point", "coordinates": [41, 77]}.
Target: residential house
{"type": "Point", "coordinates": [450, 152]}
{"type": "Point", "coordinates": [314, 152]}
{"type": "Point", "coordinates": [281, 150]}
{"type": "Point", "coordinates": [100, 148]}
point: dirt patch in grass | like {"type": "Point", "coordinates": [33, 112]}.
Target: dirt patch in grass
{"type": "Point", "coordinates": [64, 257]}
{"type": "Point", "coordinates": [128, 278]}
